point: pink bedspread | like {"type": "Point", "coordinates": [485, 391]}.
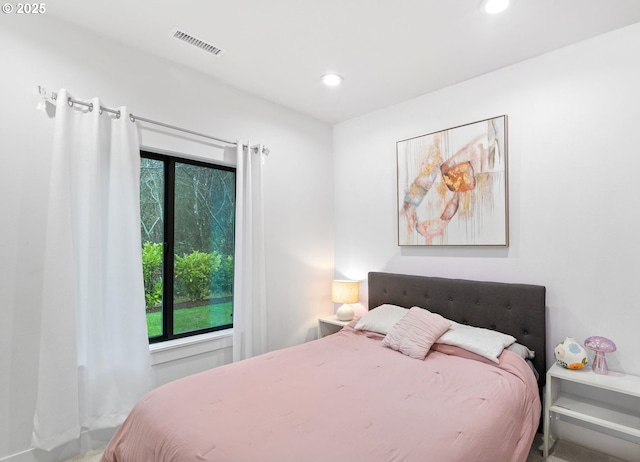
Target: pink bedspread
{"type": "Point", "coordinates": [341, 398]}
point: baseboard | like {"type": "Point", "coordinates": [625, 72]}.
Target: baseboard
{"type": "Point", "coordinates": [24, 456]}
{"type": "Point", "coordinates": [88, 441]}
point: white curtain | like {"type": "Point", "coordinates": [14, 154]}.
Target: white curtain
{"type": "Point", "coordinates": [94, 353]}
{"type": "Point", "coordinates": [249, 291]}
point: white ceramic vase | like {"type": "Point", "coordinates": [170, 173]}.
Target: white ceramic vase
{"type": "Point", "coordinates": [570, 354]}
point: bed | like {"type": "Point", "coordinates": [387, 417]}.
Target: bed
{"type": "Point", "coordinates": [348, 397]}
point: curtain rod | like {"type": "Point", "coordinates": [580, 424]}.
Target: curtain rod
{"type": "Point", "coordinates": [133, 118]}
{"type": "Point", "coordinates": [71, 101]}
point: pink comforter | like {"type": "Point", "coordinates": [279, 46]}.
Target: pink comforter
{"type": "Point", "coordinates": [342, 398]}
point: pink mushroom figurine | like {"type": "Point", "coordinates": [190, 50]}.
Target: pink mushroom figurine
{"type": "Point", "coordinates": [600, 345]}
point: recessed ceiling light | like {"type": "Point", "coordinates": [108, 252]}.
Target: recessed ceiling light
{"type": "Point", "coordinates": [331, 80]}
{"type": "Point", "coordinates": [496, 6]}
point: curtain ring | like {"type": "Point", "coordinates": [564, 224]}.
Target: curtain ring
{"type": "Point", "coordinates": [90, 107]}
{"type": "Point", "coordinates": [118, 115]}
{"type": "Point", "coordinates": [69, 101]}
{"type": "Point", "coordinates": [131, 118]}
{"type": "Point", "coordinates": [100, 111]}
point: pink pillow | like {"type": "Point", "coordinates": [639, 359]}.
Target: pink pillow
{"type": "Point", "coordinates": [414, 334]}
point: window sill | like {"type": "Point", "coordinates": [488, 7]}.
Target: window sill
{"type": "Point", "coordinates": [186, 347]}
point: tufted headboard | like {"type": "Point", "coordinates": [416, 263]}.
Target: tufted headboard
{"type": "Point", "coordinates": [515, 309]}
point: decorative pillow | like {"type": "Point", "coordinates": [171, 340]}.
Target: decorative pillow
{"type": "Point", "coordinates": [381, 319]}
{"type": "Point", "coordinates": [522, 351]}
{"type": "Point", "coordinates": [485, 342]}
{"type": "Point", "coordinates": [414, 334]}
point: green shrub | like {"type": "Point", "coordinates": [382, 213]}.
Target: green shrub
{"type": "Point", "coordinates": [193, 273]}
{"type": "Point", "coordinates": [225, 275]}
{"type": "Point", "coordinates": [152, 273]}
{"type": "Point", "coordinates": [198, 275]}
{"type": "Point", "coordinates": [221, 274]}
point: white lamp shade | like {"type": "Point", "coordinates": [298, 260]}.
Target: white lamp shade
{"type": "Point", "coordinates": [345, 291]}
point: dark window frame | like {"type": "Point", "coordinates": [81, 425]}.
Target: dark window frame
{"type": "Point", "coordinates": [168, 257]}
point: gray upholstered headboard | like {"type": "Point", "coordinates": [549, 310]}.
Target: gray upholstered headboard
{"type": "Point", "coordinates": [515, 309]}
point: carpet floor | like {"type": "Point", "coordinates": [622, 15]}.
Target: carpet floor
{"type": "Point", "coordinates": [93, 456]}
{"type": "Point", "coordinates": [563, 451]}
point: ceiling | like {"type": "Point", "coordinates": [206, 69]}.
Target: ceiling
{"type": "Point", "coordinates": [387, 51]}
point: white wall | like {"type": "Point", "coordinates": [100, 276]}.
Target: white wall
{"type": "Point", "coordinates": [573, 118]}
{"type": "Point", "coordinates": [299, 199]}
{"type": "Point", "coordinates": [574, 163]}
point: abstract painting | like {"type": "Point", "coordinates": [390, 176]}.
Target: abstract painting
{"type": "Point", "coordinates": [452, 186]}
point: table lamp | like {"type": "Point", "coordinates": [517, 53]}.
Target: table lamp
{"type": "Point", "coordinates": [345, 292]}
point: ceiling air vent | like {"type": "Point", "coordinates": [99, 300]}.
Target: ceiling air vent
{"type": "Point", "coordinates": [196, 42]}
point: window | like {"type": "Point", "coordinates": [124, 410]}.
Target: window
{"type": "Point", "coordinates": [187, 212]}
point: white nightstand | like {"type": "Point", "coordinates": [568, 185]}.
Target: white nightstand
{"type": "Point", "coordinates": [613, 401]}
{"type": "Point", "coordinates": [330, 325]}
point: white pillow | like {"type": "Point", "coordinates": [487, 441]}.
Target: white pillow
{"type": "Point", "coordinates": [484, 342]}
{"type": "Point", "coordinates": [381, 319]}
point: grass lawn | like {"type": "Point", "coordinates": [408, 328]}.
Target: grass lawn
{"type": "Point", "coordinates": [195, 318]}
